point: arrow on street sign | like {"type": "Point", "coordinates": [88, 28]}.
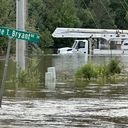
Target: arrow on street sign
{"type": "Point", "coordinates": [23, 35]}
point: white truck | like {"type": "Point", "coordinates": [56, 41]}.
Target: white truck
{"type": "Point", "coordinates": [119, 39]}
{"type": "Point", "coordinates": [83, 47]}
{"type": "Point", "coordinates": [79, 46]}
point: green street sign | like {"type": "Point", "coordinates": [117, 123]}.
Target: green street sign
{"type": "Point", "coordinates": [23, 35]}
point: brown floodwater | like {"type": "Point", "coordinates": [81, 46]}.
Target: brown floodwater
{"type": "Point", "coordinates": [69, 104]}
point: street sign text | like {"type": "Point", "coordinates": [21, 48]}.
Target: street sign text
{"type": "Point", "coordinates": [23, 35]}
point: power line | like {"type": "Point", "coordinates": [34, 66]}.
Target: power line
{"type": "Point", "coordinates": [125, 3]}
{"type": "Point", "coordinates": [123, 6]}
{"type": "Point", "coordinates": [90, 14]}
{"type": "Point", "coordinates": [107, 12]}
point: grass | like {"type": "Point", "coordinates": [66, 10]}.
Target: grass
{"type": "Point", "coordinates": [28, 78]}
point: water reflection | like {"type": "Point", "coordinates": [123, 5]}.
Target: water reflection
{"type": "Point", "coordinates": [66, 65]}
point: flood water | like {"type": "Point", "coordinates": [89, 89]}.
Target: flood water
{"type": "Point", "coordinates": [70, 104]}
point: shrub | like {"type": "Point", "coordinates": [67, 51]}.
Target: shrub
{"type": "Point", "coordinates": [30, 77]}
{"type": "Point", "coordinates": [114, 67]}
{"type": "Point", "coordinates": [103, 71]}
{"type": "Point", "coordinates": [88, 71]}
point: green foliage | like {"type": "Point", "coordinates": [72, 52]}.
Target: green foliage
{"type": "Point", "coordinates": [120, 9]}
{"type": "Point", "coordinates": [7, 12]}
{"type": "Point", "coordinates": [7, 19]}
{"type": "Point", "coordinates": [103, 71]}
{"type": "Point", "coordinates": [68, 14]}
{"type": "Point", "coordinates": [90, 71]}
{"type": "Point", "coordinates": [114, 67]}
{"type": "Point", "coordinates": [47, 40]}
{"type": "Point", "coordinates": [85, 16]}
{"type": "Point", "coordinates": [35, 10]}
{"type": "Point", "coordinates": [30, 77]}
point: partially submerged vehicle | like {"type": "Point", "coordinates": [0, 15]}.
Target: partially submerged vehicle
{"type": "Point", "coordinates": [96, 41]}
{"type": "Point", "coordinates": [79, 46]}
{"type": "Point", "coordinates": [82, 47]}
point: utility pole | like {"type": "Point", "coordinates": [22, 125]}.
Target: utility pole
{"type": "Point", "coordinates": [20, 25]}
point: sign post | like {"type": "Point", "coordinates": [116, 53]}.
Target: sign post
{"type": "Point", "coordinates": [5, 71]}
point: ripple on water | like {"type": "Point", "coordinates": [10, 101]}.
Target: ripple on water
{"type": "Point", "coordinates": [73, 112]}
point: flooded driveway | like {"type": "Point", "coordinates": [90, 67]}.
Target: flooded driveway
{"type": "Point", "coordinates": [69, 105]}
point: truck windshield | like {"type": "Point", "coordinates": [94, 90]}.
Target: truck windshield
{"type": "Point", "coordinates": [78, 44]}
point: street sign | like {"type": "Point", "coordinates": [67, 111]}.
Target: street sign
{"type": "Point", "coordinates": [23, 35]}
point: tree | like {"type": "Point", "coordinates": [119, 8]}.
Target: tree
{"type": "Point", "coordinates": [37, 21]}
{"type": "Point", "coordinates": [83, 3]}
{"type": "Point", "coordinates": [101, 10]}
{"type": "Point", "coordinates": [47, 40]}
{"type": "Point", "coordinates": [35, 8]}
{"type": "Point", "coordinates": [7, 18]}
{"type": "Point", "coordinates": [68, 14]}
{"type": "Point", "coordinates": [120, 9]}
{"type": "Point", "coordinates": [87, 18]}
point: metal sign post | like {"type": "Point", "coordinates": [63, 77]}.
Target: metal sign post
{"type": "Point", "coordinates": [5, 71]}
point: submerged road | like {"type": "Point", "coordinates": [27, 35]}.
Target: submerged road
{"type": "Point", "coordinates": [68, 106]}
